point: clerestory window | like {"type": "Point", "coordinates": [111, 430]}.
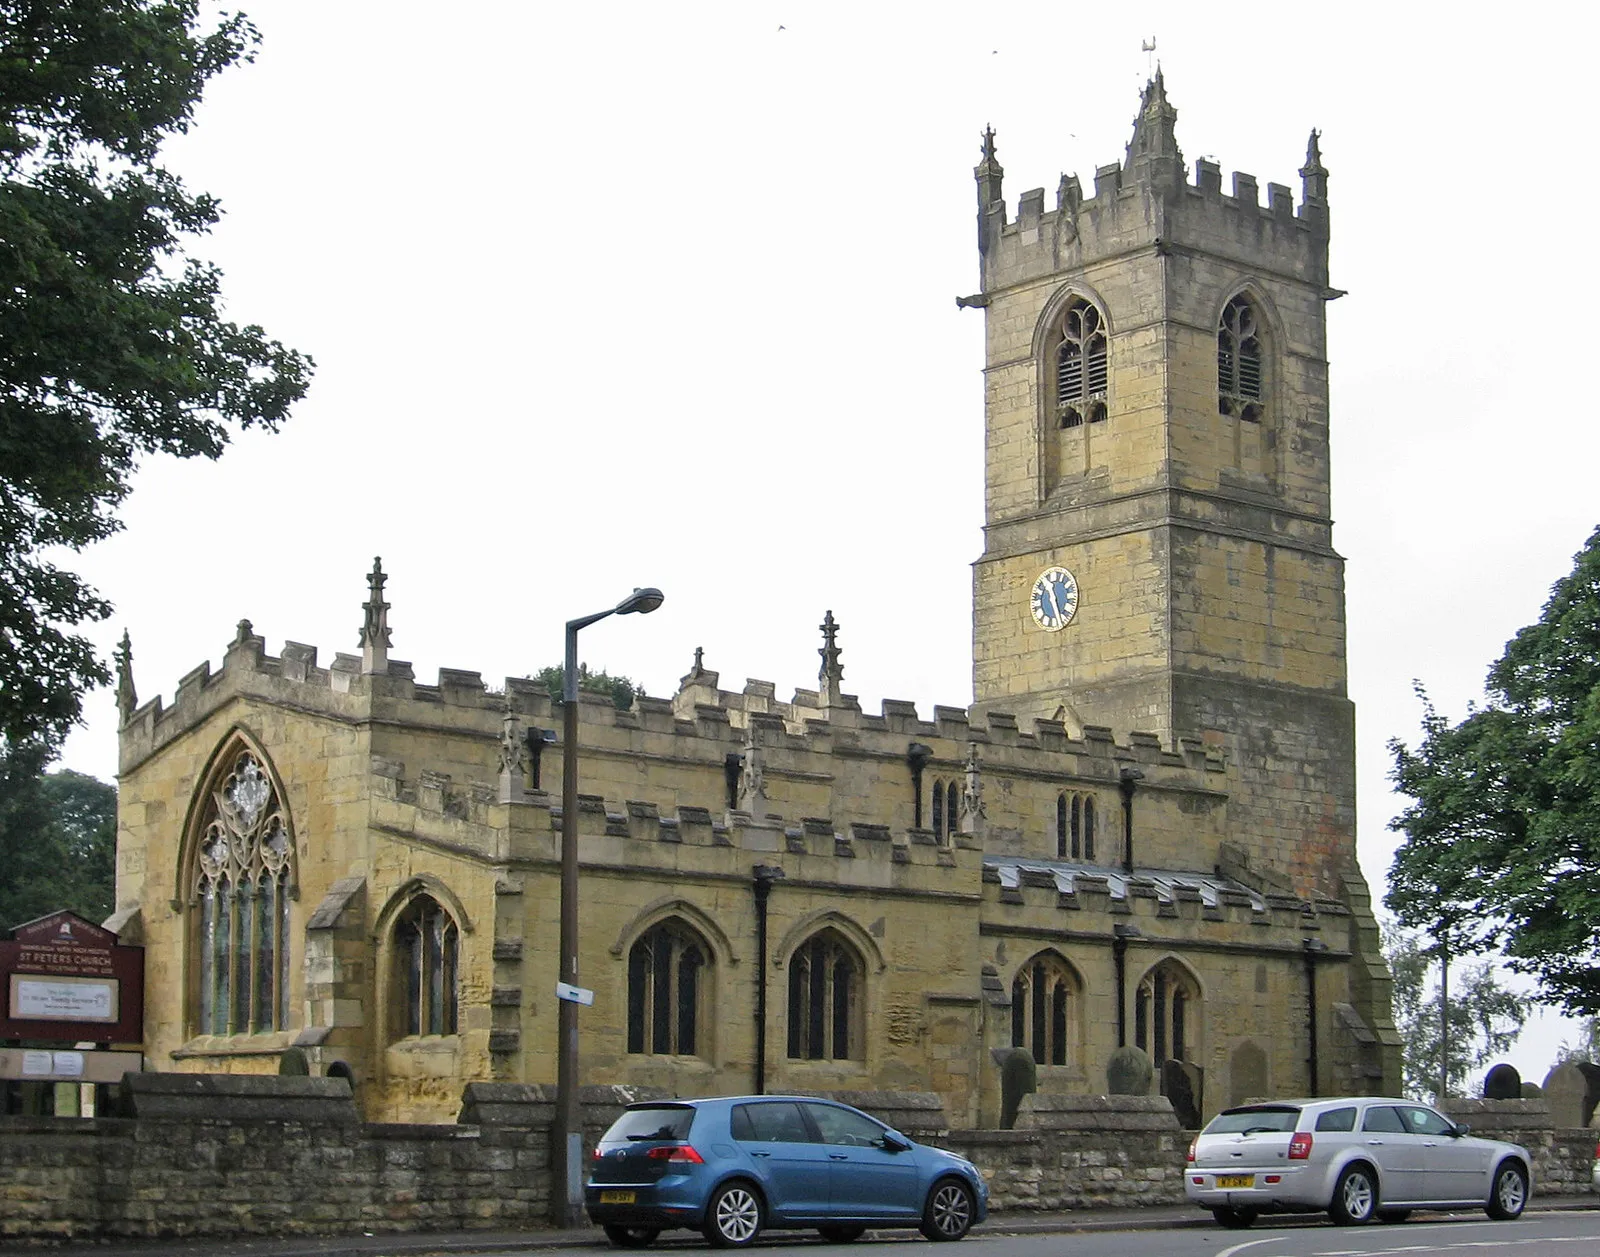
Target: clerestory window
{"type": "Point", "coordinates": [1081, 366]}
{"type": "Point", "coordinates": [825, 994]}
{"type": "Point", "coordinates": [667, 986]}
{"type": "Point", "coordinates": [1075, 826]}
{"type": "Point", "coordinates": [242, 888]}
{"type": "Point", "coordinates": [427, 952]}
{"type": "Point", "coordinates": [1240, 390]}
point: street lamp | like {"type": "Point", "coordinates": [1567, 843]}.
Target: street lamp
{"type": "Point", "coordinates": [566, 1161]}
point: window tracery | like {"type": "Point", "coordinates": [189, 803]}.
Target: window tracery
{"type": "Point", "coordinates": [825, 994]}
{"type": "Point", "coordinates": [1163, 1016]}
{"type": "Point", "coordinates": [427, 954]}
{"type": "Point", "coordinates": [1081, 365]}
{"type": "Point", "coordinates": [1044, 1000]}
{"type": "Point", "coordinates": [242, 887]}
{"type": "Point", "coordinates": [668, 967]}
{"type": "Point", "coordinates": [1240, 390]}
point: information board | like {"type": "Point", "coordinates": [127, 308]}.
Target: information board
{"type": "Point", "coordinates": [66, 978]}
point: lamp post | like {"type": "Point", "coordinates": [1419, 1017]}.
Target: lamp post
{"type": "Point", "coordinates": [566, 1160]}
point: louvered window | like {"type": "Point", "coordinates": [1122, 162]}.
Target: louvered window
{"type": "Point", "coordinates": [1240, 390]}
{"type": "Point", "coordinates": [1081, 369]}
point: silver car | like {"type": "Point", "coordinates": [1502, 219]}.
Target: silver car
{"type": "Point", "coordinates": [1358, 1158]}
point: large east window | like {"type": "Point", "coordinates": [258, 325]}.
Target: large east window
{"type": "Point", "coordinates": [241, 888]}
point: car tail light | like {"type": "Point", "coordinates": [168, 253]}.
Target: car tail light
{"type": "Point", "coordinates": [678, 1153]}
{"type": "Point", "coordinates": [1300, 1146]}
{"type": "Point", "coordinates": [1196, 1140]}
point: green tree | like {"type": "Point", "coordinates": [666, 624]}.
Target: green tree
{"type": "Point", "coordinates": [619, 689]}
{"type": "Point", "coordinates": [112, 339]}
{"type": "Point", "coordinates": [58, 837]}
{"type": "Point", "coordinates": [1484, 1017]}
{"type": "Point", "coordinates": [1585, 1048]}
{"type": "Point", "coordinates": [1502, 839]}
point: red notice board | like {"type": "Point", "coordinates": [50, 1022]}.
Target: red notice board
{"type": "Point", "coordinates": [62, 977]}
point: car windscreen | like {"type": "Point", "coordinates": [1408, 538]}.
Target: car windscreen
{"type": "Point", "coordinates": [663, 1121]}
{"type": "Point", "coordinates": [1247, 1121]}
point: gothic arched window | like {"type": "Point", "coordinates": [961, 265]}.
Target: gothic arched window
{"type": "Point", "coordinates": [952, 810]}
{"type": "Point", "coordinates": [826, 981]}
{"type": "Point", "coordinates": [1164, 1011]}
{"type": "Point", "coordinates": [427, 963]}
{"type": "Point", "coordinates": [1240, 389]}
{"type": "Point", "coordinates": [1044, 1009]}
{"type": "Point", "coordinates": [1080, 365]}
{"type": "Point", "coordinates": [938, 809]}
{"type": "Point", "coordinates": [668, 967]}
{"type": "Point", "coordinates": [242, 885]}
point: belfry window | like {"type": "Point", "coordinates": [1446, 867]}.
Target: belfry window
{"type": "Point", "coordinates": [1240, 390]}
{"type": "Point", "coordinates": [667, 971]}
{"type": "Point", "coordinates": [1080, 366]}
{"type": "Point", "coordinates": [427, 949]}
{"type": "Point", "coordinates": [825, 999]}
{"type": "Point", "coordinates": [1044, 998]}
{"type": "Point", "coordinates": [242, 888]}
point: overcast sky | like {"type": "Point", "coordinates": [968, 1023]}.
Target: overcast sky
{"type": "Point", "coordinates": [628, 294]}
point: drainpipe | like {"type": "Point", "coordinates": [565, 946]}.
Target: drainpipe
{"type": "Point", "coordinates": [1125, 784]}
{"type": "Point", "coordinates": [764, 876]}
{"type": "Point", "coordinates": [1313, 948]}
{"type": "Point", "coordinates": [1120, 934]}
{"type": "Point", "coordinates": [917, 755]}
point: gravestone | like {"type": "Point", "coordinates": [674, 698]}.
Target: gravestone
{"type": "Point", "coordinates": [1591, 1091]}
{"type": "Point", "coordinates": [1247, 1073]}
{"type": "Point", "coordinates": [1565, 1088]}
{"type": "Point", "coordinates": [1532, 1091]}
{"type": "Point", "coordinates": [1181, 1085]}
{"type": "Point", "coordinates": [1129, 1072]}
{"type": "Point", "coordinates": [1019, 1076]}
{"type": "Point", "coordinates": [1502, 1083]}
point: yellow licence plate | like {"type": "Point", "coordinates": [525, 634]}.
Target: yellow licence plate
{"type": "Point", "coordinates": [616, 1198]}
{"type": "Point", "coordinates": [1236, 1180]}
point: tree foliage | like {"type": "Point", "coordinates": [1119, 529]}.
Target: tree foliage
{"type": "Point", "coordinates": [1485, 1017]}
{"type": "Point", "coordinates": [1502, 839]}
{"type": "Point", "coordinates": [112, 340]}
{"type": "Point", "coordinates": [619, 689]}
{"type": "Point", "coordinates": [58, 836]}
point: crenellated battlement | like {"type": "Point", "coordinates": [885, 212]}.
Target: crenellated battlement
{"type": "Point", "coordinates": [1146, 202]}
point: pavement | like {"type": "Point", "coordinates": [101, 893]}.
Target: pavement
{"type": "Point", "coordinates": [445, 1243]}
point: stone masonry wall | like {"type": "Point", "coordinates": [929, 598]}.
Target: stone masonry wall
{"type": "Point", "coordinates": [1563, 1158]}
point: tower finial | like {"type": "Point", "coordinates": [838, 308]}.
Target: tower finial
{"type": "Point", "coordinates": [1314, 175]}
{"type": "Point", "coordinates": [989, 175]}
{"type": "Point", "coordinates": [1153, 154]}
{"type": "Point", "coordinates": [127, 696]}
{"type": "Point", "coordinates": [831, 674]}
{"type": "Point", "coordinates": [375, 641]}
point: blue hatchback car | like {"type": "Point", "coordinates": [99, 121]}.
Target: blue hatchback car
{"type": "Point", "coordinates": [737, 1165]}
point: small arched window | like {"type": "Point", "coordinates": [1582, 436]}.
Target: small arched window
{"type": "Point", "coordinates": [1080, 366]}
{"type": "Point", "coordinates": [667, 970]}
{"type": "Point", "coordinates": [1240, 388]}
{"type": "Point", "coordinates": [938, 809]}
{"type": "Point", "coordinates": [952, 810]}
{"type": "Point", "coordinates": [242, 888]}
{"type": "Point", "coordinates": [825, 999]}
{"type": "Point", "coordinates": [1044, 1012]}
{"type": "Point", "coordinates": [427, 945]}
{"type": "Point", "coordinates": [1074, 827]}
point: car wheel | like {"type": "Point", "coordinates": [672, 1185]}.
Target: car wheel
{"type": "Point", "coordinates": [1355, 1196]}
{"type": "Point", "coordinates": [1393, 1215]}
{"type": "Point", "coordinates": [733, 1218]}
{"type": "Point", "coordinates": [1510, 1193]}
{"type": "Point", "coordinates": [948, 1214]}
{"type": "Point", "coordinates": [631, 1236]}
{"type": "Point", "coordinates": [1234, 1219]}
{"type": "Point", "coordinates": [842, 1233]}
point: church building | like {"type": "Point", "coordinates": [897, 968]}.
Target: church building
{"type": "Point", "coordinates": [1140, 832]}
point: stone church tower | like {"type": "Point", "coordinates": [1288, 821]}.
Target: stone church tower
{"type": "Point", "coordinates": [1157, 430]}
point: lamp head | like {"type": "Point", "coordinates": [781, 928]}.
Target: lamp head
{"type": "Point", "coordinates": [643, 601]}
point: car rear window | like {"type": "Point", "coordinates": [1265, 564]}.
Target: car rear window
{"type": "Point", "coordinates": [1242, 1121]}
{"type": "Point", "coordinates": [665, 1121]}
{"type": "Point", "coordinates": [1337, 1119]}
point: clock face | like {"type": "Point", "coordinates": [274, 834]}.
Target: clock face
{"type": "Point", "coordinates": [1054, 600]}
